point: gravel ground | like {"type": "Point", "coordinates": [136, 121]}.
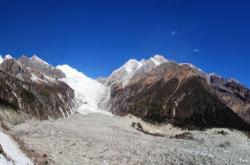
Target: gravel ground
{"type": "Point", "coordinates": [102, 139]}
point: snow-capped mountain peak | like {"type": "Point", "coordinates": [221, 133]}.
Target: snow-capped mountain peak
{"type": "Point", "coordinates": [38, 59]}
{"type": "Point", "coordinates": [7, 56]}
{"type": "Point", "coordinates": [132, 66]}
{"type": "Point", "coordinates": [158, 59]}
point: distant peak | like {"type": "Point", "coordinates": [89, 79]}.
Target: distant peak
{"type": "Point", "coordinates": [35, 57]}
{"type": "Point", "coordinates": [158, 59]}
{"type": "Point", "coordinates": [24, 56]}
{"type": "Point", "coordinates": [7, 56]}
{"type": "Point", "coordinates": [38, 59]}
{"type": "Point", "coordinates": [131, 61]}
{"type": "Point", "coordinates": [158, 56]}
{"type": "Point", "coordinates": [131, 65]}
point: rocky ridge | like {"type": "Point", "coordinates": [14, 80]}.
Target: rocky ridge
{"type": "Point", "coordinates": [31, 88]}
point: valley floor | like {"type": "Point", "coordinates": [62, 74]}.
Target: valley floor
{"type": "Point", "coordinates": [103, 139]}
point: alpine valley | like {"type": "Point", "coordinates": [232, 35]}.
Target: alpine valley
{"type": "Point", "coordinates": [151, 111]}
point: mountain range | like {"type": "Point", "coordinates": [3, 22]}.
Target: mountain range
{"type": "Point", "coordinates": [162, 91]}
{"type": "Point", "coordinates": [157, 90]}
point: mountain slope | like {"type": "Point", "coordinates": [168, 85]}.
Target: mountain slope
{"type": "Point", "coordinates": [180, 94]}
{"type": "Point", "coordinates": [31, 92]}
{"type": "Point", "coordinates": [233, 94]}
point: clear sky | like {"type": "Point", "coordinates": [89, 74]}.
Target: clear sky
{"type": "Point", "coordinates": [96, 37]}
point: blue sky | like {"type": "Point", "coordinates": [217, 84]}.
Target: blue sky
{"type": "Point", "coordinates": [98, 36]}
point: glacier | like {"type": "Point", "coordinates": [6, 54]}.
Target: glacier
{"type": "Point", "coordinates": [89, 93]}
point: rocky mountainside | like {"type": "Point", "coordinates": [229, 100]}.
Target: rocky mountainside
{"type": "Point", "coordinates": [37, 63]}
{"type": "Point", "coordinates": [233, 94]}
{"type": "Point", "coordinates": [30, 87]}
{"type": "Point", "coordinates": [180, 94]}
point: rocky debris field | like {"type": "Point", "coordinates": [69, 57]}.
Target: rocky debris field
{"type": "Point", "coordinates": [103, 139]}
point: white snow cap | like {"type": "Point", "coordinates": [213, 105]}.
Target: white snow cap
{"type": "Point", "coordinates": [158, 59]}
{"type": "Point", "coordinates": [1, 59]}
{"type": "Point", "coordinates": [38, 59]}
{"type": "Point", "coordinates": [7, 56]}
{"type": "Point", "coordinates": [133, 64]}
{"type": "Point", "coordinates": [128, 70]}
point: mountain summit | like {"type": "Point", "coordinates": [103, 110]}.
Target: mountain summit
{"type": "Point", "coordinates": [132, 67]}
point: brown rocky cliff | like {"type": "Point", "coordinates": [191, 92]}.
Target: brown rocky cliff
{"type": "Point", "coordinates": [40, 97]}
{"type": "Point", "coordinates": [177, 94]}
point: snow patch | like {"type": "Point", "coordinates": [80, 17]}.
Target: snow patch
{"type": "Point", "coordinates": [12, 151]}
{"type": "Point", "coordinates": [35, 78]}
{"type": "Point", "coordinates": [62, 112]}
{"type": "Point", "coordinates": [1, 59]}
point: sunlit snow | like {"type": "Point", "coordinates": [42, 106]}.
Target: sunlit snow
{"type": "Point", "coordinates": [12, 151]}
{"type": "Point", "coordinates": [88, 92]}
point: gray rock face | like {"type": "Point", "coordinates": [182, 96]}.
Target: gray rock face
{"type": "Point", "coordinates": [34, 92]}
{"type": "Point", "coordinates": [36, 63]}
{"type": "Point", "coordinates": [233, 94]}
{"type": "Point", "coordinates": [11, 67]}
